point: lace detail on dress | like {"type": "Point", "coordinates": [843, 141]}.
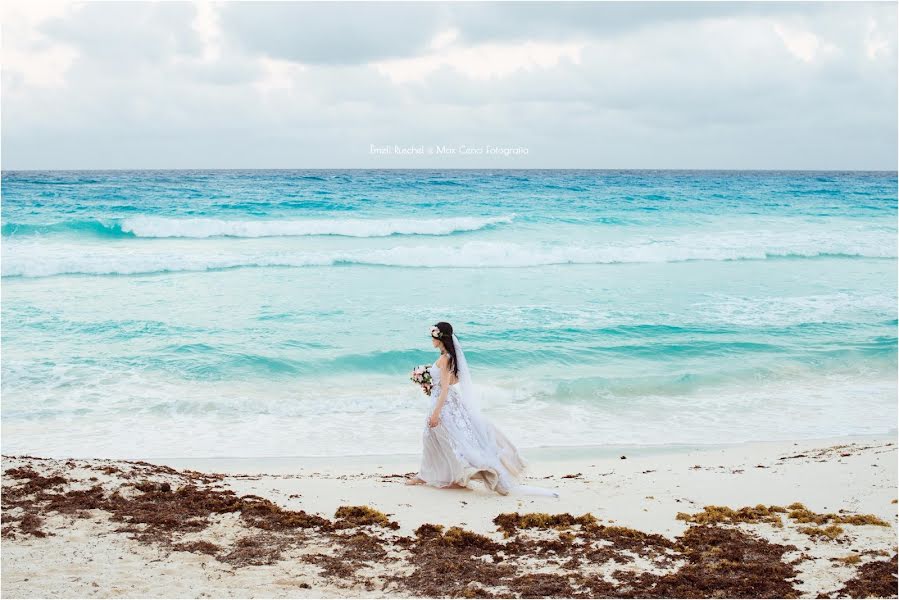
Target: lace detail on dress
{"type": "Point", "coordinates": [458, 418]}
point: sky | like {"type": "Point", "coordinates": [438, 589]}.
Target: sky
{"type": "Point", "coordinates": [606, 85]}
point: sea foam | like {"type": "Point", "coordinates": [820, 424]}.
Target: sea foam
{"type": "Point", "coordinates": [165, 227]}
{"type": "Point", "coordinates": [158, 227]}
{"type": "Point", "coordinates": [32, 258]}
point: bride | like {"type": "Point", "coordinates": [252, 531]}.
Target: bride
{"type": "Point", "coordinates": [460, 444]}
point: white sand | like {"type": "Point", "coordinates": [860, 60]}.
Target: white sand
{"type": "Point", "coordinates": [644, 491]}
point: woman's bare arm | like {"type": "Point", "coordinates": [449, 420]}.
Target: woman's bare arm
{"type": "Point", "coordinates": [442, 362]}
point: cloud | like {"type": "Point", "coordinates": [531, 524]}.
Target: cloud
{"type": "Point", "coordinates": [877, 43]}
{"type": "Point", "coordinates": [332, 33]}
{"type": "Point", "coordinates": [804, 45]}
{"type": "Point", "coordinates": [31, 58]}
{"type": "Point", "coordinates": [229, 85]}
{"type": "Point", "coordinates": [482, 61]}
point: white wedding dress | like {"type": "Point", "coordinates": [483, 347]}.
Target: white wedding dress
{"type": "Point", "coordinates": [465, 446]}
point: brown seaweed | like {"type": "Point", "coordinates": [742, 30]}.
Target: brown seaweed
{"type": "Point", "coordinates": [876, 579]}
{"type": "Point", "coordinates": [509, 523]}
{"type": "Point", "coordinates": [772, 514]}
{"type": "Point", "coordinates": [798, 512]}
{"type": "Point", "coordinates": [747, 514]}
{"type": "Point", "coordinates": [540, 555]}
{"type": "Point", "coordinates": [356, 516]}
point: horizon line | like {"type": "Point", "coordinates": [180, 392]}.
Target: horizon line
{"type": "Point", "coordinates": [678, 169]}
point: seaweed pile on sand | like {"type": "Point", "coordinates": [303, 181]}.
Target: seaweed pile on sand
{"type": "Point", "coordinates": [531, 555]}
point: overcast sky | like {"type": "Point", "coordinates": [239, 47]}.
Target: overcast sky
{"type": "Point", "coordinates": [575, 85]}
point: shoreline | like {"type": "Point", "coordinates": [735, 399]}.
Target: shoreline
{"type": "Point", "coordinates": [534, 456]}
{"type": "Point", "coordinates": [814, 518]}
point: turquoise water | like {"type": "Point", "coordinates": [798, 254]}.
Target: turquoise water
{"type": "Point", "coordinates": [277, 313]}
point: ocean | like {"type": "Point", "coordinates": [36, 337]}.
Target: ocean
{"type": "Point", "coordinates": [157, 314]}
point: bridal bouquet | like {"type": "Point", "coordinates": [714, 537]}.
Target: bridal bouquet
{"type": "Point", "coordinates": [422, 376]}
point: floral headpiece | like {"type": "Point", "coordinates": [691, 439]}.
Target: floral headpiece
{"type": "Point", "coordinates": [436, 333]}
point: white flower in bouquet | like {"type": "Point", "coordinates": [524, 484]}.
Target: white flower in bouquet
{"type": "Point", "coordinates": [422, 376]}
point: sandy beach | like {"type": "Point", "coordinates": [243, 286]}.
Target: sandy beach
{"type": "Point", "coordinates": [811, 519]}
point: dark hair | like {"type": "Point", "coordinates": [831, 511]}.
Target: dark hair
{"type": "Point", "coordinates": [446, 336]}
